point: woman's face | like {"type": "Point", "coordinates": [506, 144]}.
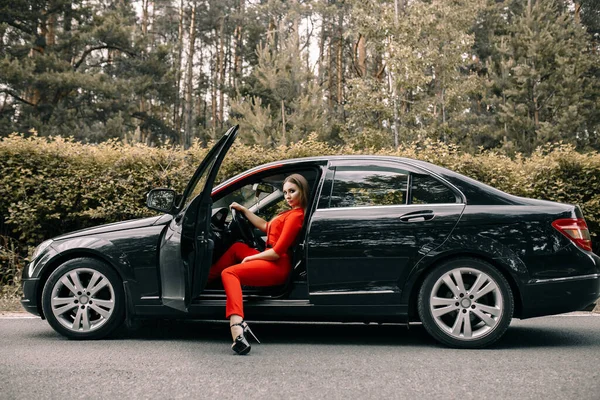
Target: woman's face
{"type": "Point", "coordinates": [292, 194]}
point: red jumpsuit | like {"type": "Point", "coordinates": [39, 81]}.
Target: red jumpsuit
{"type": "Point", "coordinates": [281, 233]}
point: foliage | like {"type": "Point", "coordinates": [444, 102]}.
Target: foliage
{"type": "Point", "coordinates": [279, 102]}
{"type": "Point", "coordinates": [51, 186]}
{"type": "Point", "coordinates": [55, 185]}
{"type": "Point", "coordinates": [83, 67]}
{"type": "Point", "coordinates": [11, 264]}
{"type": "Point", "coordinates": [504, 74]}
{"type": "Point", "coordinates": [544, 86]}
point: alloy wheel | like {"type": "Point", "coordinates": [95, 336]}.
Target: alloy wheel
{"type": "Point", "coordinates": [82, 300]}
{"type": "Point", "coordinates": [466, 303]}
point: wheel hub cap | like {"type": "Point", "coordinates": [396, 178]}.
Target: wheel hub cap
{"type": "Point", "coordinates": [83, 300]}
{"type": "Point", "coordinates": [466, 303]}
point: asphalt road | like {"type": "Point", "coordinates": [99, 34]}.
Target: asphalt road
{"type": "Point", "coordinates": [544, 358]}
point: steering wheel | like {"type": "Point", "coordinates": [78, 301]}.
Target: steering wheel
{"type": "Point", "coordinates": [244, 227]}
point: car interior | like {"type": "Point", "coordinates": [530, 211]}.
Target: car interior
{"type": "Point", "coordinates": [261, 193]}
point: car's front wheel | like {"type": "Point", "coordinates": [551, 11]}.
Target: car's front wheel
{"type": "Point", "coordinates": [84, 299]}
{"type": "Point", "coordinates": [466, 303]}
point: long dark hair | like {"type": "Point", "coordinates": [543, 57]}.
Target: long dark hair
{"type": "Point", "coordinates": [302, 184]}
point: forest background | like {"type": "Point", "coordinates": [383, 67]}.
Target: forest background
{"type": "Point", "coordinates": [509, 75]}
{"type": "Point", "coordinates": [477, 85]}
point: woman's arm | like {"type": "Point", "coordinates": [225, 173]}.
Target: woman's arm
{"type": "Point", "coordinates": [268, 254]}
{"type": "Point", "coordinates": [254, 219]}
{"type": "Point", "coordinates": [291, 227]}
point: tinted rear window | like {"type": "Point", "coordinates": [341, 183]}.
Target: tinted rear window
{"type": "Point", "coordinates": [360, 187]}
{"type": "Point", "coordinates": [428, 190]}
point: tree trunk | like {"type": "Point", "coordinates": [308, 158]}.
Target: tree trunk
{"type": "Point", "coordinates": [237, 58]}
{"type": "Point", "coordinates": [330, 76]}
{"type": "Point", "coordinates": [213, 94]}
{"type": "Point", "coordinates": [145, 17]}
{"type": "Point", "coordinates": [50, 30]}
{"type": "Point", "coordinates": [151, 21]}
{"type": "Point", "coordinates": [378, 72]}
{"type": "Point", "coordinates": [143, 132]}
{"type": "Point", "coordinates": [308, 41]}
{"type": "Point", "coordinates": [296, 25]}
{"type": "Point", "coordinates": [2, 32]}
{"type": "Point", "coordinates": [443, 103]}
{"type": "Point", "coordinates": [393, 93]}
{"type": "Point", "coordinates": [283, 135]}
{"type": "Point", "coordinates": [189, 106]}
{"type": "Point", "coordinates": [221, 66]}
{"type": "Point", "coordinates": [340, 64]}
{"type": "Point", "coordinates": [178, 65]}
{"type": "Point", "coordinates": [322, 40]}
{"type": "Point", "coordinates": [215, 79]}
{"type": "Point", "coordinates": [361, 56]}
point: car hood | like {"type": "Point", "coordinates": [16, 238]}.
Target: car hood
{"type": "Point", "coordinates": [117, 226]}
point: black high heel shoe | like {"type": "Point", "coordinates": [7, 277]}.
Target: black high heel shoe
{"type": "Point", "coordinates": [240, 344]}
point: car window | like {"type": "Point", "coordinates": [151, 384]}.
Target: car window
{"type": "Point", "coordinates": [270, 210]}
{"type": "Point", "coordinates": [428, 190]}
{"type": "Point", "coordinates": [199, 184]}
{"type": "Point", "coordinates": [372, 186]}
{"type": "Point", "coordinates": [247, 195]}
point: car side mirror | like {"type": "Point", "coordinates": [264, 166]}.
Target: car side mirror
{"type": "Point", "coordinates": [161, 199]}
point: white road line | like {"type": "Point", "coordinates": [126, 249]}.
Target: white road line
{"type": "Point", "coordinates": [577, 314]}
{"type": "Point", "coordinates": [16, 315]}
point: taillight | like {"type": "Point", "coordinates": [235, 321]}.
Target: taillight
{"type": "Point", "coordinates": [575, 229]}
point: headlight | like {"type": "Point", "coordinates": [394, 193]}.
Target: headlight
{"type": "Point", "coordinates": [40, 249]}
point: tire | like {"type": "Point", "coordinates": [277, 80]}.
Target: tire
{"type": "Point", "coordinates": [84, 299]}
{"type": "Point", "coordinates": [466, 303]}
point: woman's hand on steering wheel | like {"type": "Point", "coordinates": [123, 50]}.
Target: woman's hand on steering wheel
{"type": "Point", "coordinates": [238, 207]}
{"type": "Point", "coordinates": [245, 228]}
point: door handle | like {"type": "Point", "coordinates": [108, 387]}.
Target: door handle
{"type": "Point", "coordinates": [418, 216]}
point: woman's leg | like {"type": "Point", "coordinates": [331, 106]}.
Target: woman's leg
{"type": "Point", "coordinates": [234, 254]}
{"type": "Point", "coordinates": [235, 330]}
{"type": "Point", "coordinates": [251, 273]}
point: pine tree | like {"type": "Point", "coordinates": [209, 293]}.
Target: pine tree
{"type": "Point", "coordinates": [73, 67]}
{"type": "Point", "coordinates": [280, 100]}
{"type": "Point", "coordinates": [544, 81]}
{"type": "Point", "coordinates": [425, 47]}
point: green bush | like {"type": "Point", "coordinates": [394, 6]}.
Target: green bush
{"type": "Point", "coordinates": [49, 186]}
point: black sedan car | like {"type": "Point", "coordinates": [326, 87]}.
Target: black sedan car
{"type": "Point", "coordinates": [385, 239]}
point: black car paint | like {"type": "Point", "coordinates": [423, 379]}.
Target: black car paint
{"type": "Point", "coordinates": [487, 228]}
{"type": "Point", "coordinates": [370, 250]}
{"type": "Point", "coordinates": [130, 247]}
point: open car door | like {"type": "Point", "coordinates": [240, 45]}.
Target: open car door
{"type": "Point", "coordinates": [186, 248]}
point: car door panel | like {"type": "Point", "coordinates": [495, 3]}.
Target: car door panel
{"type": "Point", "coordinates": [371, 250]}
{"type": "Point", "coordinates": [362, 255]}
{"type": "Point", "coordinates": [186, 248]}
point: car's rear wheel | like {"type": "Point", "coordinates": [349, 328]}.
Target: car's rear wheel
{"type": "Point", "coordinates": [84, 299]}
{"type": "Point", "coordinates": [466, 303]}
